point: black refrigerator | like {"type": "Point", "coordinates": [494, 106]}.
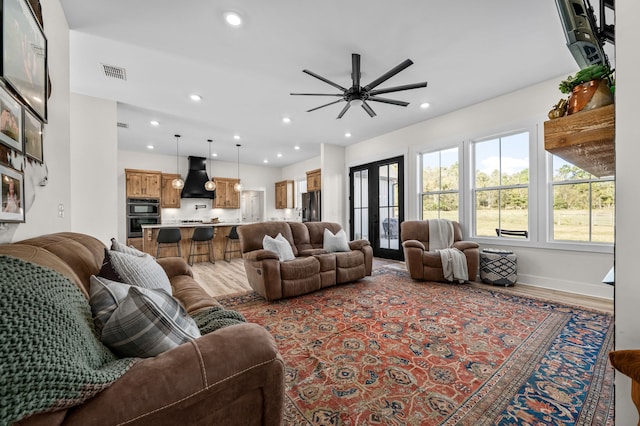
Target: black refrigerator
{"type": "Point", "coordinates": [311, 206]}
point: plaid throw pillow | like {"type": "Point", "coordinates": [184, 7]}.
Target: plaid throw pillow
{"type": "Point", "coordinates": [141, 271]}
{"type": "Point", "coordinates": [146, 323]}
{"type": "Point", "coordinates": [104, 297]}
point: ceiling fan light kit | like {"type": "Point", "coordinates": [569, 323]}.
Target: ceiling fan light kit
{"type": "Point", "coordinates": [358, 95]}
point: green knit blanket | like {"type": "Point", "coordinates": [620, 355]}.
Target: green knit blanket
{"type": "Point", "coordinates": [211, 319]}
{"type": "Point", "coordinates": [50, 356]}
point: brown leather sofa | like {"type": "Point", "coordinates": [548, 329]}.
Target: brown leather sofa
{"type": "Point", "coordinates": [233, 376]}
{"type": "Point", "coordinates": [312, 269]}
{"type": "Point", "coordinates": [627, 361]}
{"type": "Point", "coordinates": [425, 265]}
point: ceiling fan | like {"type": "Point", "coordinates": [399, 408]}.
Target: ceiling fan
{"type": "Point", "coordinates": [358, 95]}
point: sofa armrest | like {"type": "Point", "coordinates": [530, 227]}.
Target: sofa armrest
{"type": "Point", "coordinates": [174, 266]}
{"type": "Point", "coordinates": [358, 244]}
{"type": "Point", "coordinates": [232, 376]}
{"type": "Point", "coordinates": [258, 255]}
{"type": "Point", "coordinates": [627, 361]}
{"type": "Point", "coordinates": [465, 245]}
{"type": "Point", "coordinates": [413, 244]}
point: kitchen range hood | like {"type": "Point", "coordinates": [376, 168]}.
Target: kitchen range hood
{"type": "Point", "coordinates": [196, 178]}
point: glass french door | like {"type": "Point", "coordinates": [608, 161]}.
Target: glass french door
{"type": "Point", "coordinates": [377, 205]}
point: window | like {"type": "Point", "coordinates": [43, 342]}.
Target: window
{"type": "Point", "coordinates": [440, 177]}
{"type": "Point", "coordinates": [583, 205]}
{"type": "Point", "coordinates": [501, 185]}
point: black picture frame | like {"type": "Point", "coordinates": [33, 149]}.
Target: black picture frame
{"type": "Point", "coordinates": [11, 195]}
{"type": "Point", "coordinates": [32, 133]}
{"type": "Point", "coordinates": [23, 63]}
{"type": "Point", "coordinates": [10, 120]}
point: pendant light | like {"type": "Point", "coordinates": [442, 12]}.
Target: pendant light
{"type": "Point", "coordinates": [177, 183]}
{"type": "Point", "coordinates": [210, 185]}
{"type": "Point", "coordinates": [238, 186]}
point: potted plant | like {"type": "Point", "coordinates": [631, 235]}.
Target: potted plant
{"type": "Point", "coordinates": [589, 88]}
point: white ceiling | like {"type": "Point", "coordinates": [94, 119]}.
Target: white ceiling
{"type": "Point", "coordinates": [468, 51]}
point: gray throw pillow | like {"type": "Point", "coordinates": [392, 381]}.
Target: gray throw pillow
{"type": "Point", "coordinates": [280, 245]}
{"type": "Point", "coordinates": [146, 323]}
{"type": "Point", "coordinates": [141, 271]}
{"type": "Point", "coordinates": [116, 246]}
{"type": "Point", "coordinates": [104, 297]}
{"type": "Point", "coordinates": [337, 242]}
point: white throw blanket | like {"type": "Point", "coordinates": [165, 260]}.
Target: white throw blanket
{"type": "Point", "coordinates": [454, 262]}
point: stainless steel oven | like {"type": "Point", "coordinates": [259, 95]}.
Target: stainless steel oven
{"type": "Point", "coordinates": [141, 211]}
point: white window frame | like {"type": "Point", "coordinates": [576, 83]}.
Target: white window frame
{"type": "Point", "coordinates": [458, 191]}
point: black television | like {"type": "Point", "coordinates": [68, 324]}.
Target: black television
{"type": "Point", "coordinates": [581, 31]}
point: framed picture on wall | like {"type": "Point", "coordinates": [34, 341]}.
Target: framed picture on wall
{"type": "Point", "coordinates": [32, 134]}
{"type": "Point", "coordinates": [11, 195]}
{"type": "Point", "coordinates": [10, 120]}
{"type": "Point", "coordinates": [24, 55]}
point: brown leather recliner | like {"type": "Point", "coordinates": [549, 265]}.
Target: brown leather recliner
{"type": "Point", "coordinates": [312, 269]}
{"type": "Point", "coordinates": [232, 376]}
{"type": "Point", "coordinates": [425, 265]}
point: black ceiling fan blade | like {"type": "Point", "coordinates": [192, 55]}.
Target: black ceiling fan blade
{"type": "Point", "coordinates": [398, 88]}
{"type": "Point", "coordinates": [388, 101]}
{"type": "Point", "coordinates": [319, 77]}
{"type": "Point", "coordinates": [355, 70]}
{"type": "Point", "coordinates": [386, 76]}
{"type": "Point", "coordinates": [345, 109]}
{"type": "Point", "coordinates": [317, 94]}
{"type": "Point", "coordinates": [366, 107]}
{"type": "Point", "coordinates": [322, 106]}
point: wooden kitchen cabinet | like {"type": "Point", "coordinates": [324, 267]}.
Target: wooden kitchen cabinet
{"type": "Point", "coordinates": [142, 183]}
{"type": "Point", "coordinates": [314, 180]}
{"type": "Point", "coordinates": [285, 194]}
{"type": "Point", "coordinates": [226, 197]}
{"type": "Point", "coordinates": [170, 197]}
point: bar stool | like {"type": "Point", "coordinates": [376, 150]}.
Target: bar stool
{"type": "Point", "coordinates": [202, 235]}
{"type": "Point", "coordinates": [231, 244]}
{"type": "Point", "coordinates": [168, 236]}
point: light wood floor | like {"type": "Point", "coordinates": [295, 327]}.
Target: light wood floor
{"type": "Point", "coordinates": [224, 278]}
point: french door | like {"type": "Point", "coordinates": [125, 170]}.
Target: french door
{"type": "Point", "coordinates": [377, 205]}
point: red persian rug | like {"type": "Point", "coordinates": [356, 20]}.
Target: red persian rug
{"type": "Point", "coordinates": [388, 350]}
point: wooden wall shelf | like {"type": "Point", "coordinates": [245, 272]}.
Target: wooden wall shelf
{"type": "Point", "coordinates": [585, 139]}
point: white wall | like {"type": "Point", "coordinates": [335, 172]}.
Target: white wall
{"type": "Point", "coordinates": [627, 288]}
{"type": "Point", "coordinates": [334, 180]}
{"type": "Point", "coordinates": [299, 170]}
{"type": "Point", "coordinates": [42, 214]}
{"type": "Point", "coordinates": [94, 140]}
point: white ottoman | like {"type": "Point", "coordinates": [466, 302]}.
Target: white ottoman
{"type": "Point", "coordinates": [498, 267]}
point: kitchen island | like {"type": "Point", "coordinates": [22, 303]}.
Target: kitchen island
{"type": "Point", "coordinates": [150, 236]}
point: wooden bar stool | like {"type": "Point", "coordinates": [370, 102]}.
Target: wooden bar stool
{"type": "Point", "coordinates": [168, 237]}
{"type": "Point", "coordinates": [231, 245]}
{"type": "Point", "coordinates": [202, 235]}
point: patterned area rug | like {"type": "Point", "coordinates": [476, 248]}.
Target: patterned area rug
{"type": "Point", "coordinates": [388, 350]}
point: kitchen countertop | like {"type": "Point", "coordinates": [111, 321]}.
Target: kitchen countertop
{"type": "Point", "coordinates": [193, 224]}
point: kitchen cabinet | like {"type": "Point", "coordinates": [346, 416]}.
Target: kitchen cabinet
{"type": "Point", "coordinates": [284, 194]}
{"type": "Point", "coordinates": [135, 242]}
{"type": "Point", "coordinates": [142, 183]}
{"type": "Point", "coordinates": [226, 196]}
{"type": "Point", "coordinates": [314, 180]}
{"type": "Point", "coordinates": [170, 197]}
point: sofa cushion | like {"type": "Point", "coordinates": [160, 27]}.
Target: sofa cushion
{"type": "Point", "coordinates": [122, 248]}
{"type": "Point", "coordinates": [146, 323]}
{"type": "Point", "coordinates": [141, 271]}
{"type": "Point", "coordinates": [334, 243]}
{"type": "Point", "coordinates": [279, 245]}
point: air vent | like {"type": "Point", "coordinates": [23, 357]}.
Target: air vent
{"type": "Point", "coordinates": [114, 72]}
{"type": "Point", "coordinates": [123, 125]}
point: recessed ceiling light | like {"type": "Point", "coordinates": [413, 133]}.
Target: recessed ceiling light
{"type": "Point", "coordinates": [286, 120]}
{"type": "Point", "coordinates": [279, 155]}
{"type": "Point", "coordinates": [195, 98]}
{"type": "Point", "coordinates": [154, 123]}
{"type": "Point", "coordinates": [150, 147]}
{"type": "Point", "coordinates": [265, 161]}
{"type": "Point", "coordinates": [233, 19]}
{"type": "Point", "coordinates": [236, 137]}
{"type": "Point", "coordinates": [424, 105]}
{"type": "Point", "coordinates": [347, 135]}
{"type": "Point", "coordinates": [214, 155]}
{"type": "Point", "coordinates": [296, 147]}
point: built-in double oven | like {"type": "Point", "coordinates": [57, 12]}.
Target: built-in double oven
{"type": "Point", "coordinates": [141, 211]}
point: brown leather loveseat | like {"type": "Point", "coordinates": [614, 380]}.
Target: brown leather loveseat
{"type": "Point", "coordinates": [232, 376]}
{"type": "Point", "coordinates": [426, 265]}
{"type": "Point", "coordinates": [312, 269]}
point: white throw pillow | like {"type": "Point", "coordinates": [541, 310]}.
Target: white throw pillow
{"type": "Point", "coordinates": [279, 245]}
{"type": "Point", "coordinates": [116, 246]}
{"type": "Point", "coordinates": [142, 271]}
{"type": "Point", "coordinates": [337, 242]}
